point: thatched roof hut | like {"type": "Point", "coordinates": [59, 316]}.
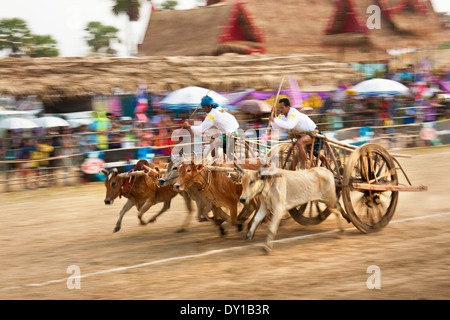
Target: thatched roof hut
{"type": "Point", "coordinates": [304, 26]}
{"type": "Point", "coordinates": [210, 30]}
{"type": "Point", "coordinates": [51, 78]}
{"type": "Point", "coordinates": [300, 27]}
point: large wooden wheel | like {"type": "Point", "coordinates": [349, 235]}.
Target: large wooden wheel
{"type": "Point", "coordinates": [315, 212]}
{"type": "Point", "coordinates": [369, 202]}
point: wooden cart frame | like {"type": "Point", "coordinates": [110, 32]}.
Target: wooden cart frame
{"type": "Point", "coordinates": [366, 177]}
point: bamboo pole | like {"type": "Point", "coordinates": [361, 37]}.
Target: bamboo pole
{"type": "Point", "coordinates": [192, 114]}
{"type": "Point", "coordinates": [274, 104]}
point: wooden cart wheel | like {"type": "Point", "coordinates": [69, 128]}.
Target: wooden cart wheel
{"type": "Point", "coordinates": [370, 210]}
{"type": "Point", "coordinates": [315, 212]}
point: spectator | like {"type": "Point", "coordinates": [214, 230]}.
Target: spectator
{"type": "Point", "coordinates": [145, 136]}
{"type": "Point", "coordinates": [383, 117]}
{"type": "Point", "coordinates": [45, 147]}
{"type": "Point", "coordinates": [28, 146]}
{"type": "Point", "coordinates": [430, 111]}
{"type": "Point", "coordinates": [335, 117]}
{"type": "Point", "coordinates": [115, 141]}
{"type": "Point", "coordinates": [101, 125]}
{"type": "Point", "coordinates": [67, 149]}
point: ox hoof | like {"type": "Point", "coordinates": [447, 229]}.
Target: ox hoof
{"type": "Point", "coordinates": [222, 231]}
{"type": "Point", "coordinates": [267, 249]}
{"type": "Point", "coordinates": [180, 230]}
{"type": "Point", "coordinates": [239, 227]}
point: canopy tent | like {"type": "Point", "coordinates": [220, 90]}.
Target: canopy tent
{"type": "Point", "coordinates": [14, 123]}
{"type": "Point", "coordinates": [51, 122]}
{"type": "Point", "coordinates": [190, 97]}
{"type": "Point", "coordinates": [378, 87]}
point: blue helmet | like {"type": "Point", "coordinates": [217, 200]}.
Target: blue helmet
{"type": "Point", "coordinates": [207, 101]}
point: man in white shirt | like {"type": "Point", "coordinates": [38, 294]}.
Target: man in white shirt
{"type": "Point", "coordinates": [292, 119]}
{"type": "Point", "coordinates": [219, 118]}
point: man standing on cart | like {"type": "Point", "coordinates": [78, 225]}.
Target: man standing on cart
{"type": "Point", "coordinates": [292, 119]}
{"type": "Point", "coordinates": [219, 118]}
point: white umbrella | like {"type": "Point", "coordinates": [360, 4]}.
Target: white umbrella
{"type": "Point", "coordinates": [50, 122]}
{"type": "Point", "coordinates": [17, 123]}
{"type": "Point", "coordinates": [190, 97]}
{"type": "Point", "coordinates": [74, 123]}
{"type": "Point", "coordinates": [378, 87]}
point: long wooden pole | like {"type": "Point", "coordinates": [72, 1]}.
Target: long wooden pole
{"type": "Point", "coordinates": [273, 113]}
{"type": "Point", "coordinates": [192, 114]}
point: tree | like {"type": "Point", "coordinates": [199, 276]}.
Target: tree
{"type": "Point", "coordinates": [169, 5]}
{"type": "Point", "coordinates": [101, 36]}
{"type": "Point", "coordinates": [14, 35]}
{"type": "Point", "coordinates": [42, 46]}
{"type": "Point", "coordinates": [130, 7]}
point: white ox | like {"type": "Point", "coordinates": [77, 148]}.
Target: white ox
{"type": "Point", "coordinates": [281, 190]}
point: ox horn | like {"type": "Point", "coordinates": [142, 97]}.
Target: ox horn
{"type": "Point", "coordinates": [104, 171]}
{"type": "Point", "coordinates": [238, 167]}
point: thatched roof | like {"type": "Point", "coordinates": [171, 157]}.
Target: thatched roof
{"type": "Point", "coordinates": [71, 77]}
{"type": "Point", "coordinates": [296, 27]}
{"type": "Point", "coordinates": [199, 31]}
{"type": "Point", "coordinates": [299, 27]}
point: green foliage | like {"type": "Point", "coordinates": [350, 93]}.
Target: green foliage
{"type": "Point", "coordinates": [445, 45]}
{"type": "Point", "coordinates": [42, 46]}
{"type": "Point", "coordinates": [169, 5]}
{"type": "Point", "coordinates": [130, 7]}
{"type": "Point", "coordinates": [100, 36]}
{"type": "Point", "coordinates": [14, 35]}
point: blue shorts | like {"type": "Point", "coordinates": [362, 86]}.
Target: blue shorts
{"type": "Point", "coordinates": [317, 142]}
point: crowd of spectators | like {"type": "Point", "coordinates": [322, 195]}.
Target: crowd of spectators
{"type": "Point", "coordinates": [109, 132]}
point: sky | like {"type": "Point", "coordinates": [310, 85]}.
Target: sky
{"type": "Point", "coordinates": [65, 20]}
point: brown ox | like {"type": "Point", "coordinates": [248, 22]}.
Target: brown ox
{"type": "Point", "coordinates": [217, 187]}
{"type": "Point", "coordinates": [204, 205]}
{"type": "Point", "coordinates": [141, 191]}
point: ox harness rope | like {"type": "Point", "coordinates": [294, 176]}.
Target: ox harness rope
{"type": "Point", "coordinates": [126, 184]}
{"type": "Point", "coordinates": [207, 182]}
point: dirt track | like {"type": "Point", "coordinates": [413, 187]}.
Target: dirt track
{"type": "Point", "coordinates": [45, 231]}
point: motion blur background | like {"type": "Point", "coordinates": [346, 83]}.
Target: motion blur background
{"type": "Point", "coordinates": [106, 67]}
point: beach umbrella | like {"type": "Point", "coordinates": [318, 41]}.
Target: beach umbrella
{"type": "Point", "coordinates": [190, 97]}
{"type": "Point", "coordinates": [17, 123]}
{"type": "Point", "coordinates": [51, 122]}
{"type": "Point", "coordinates": [254, 105]}
{"type": "Point", "coordinates": [377, 87]}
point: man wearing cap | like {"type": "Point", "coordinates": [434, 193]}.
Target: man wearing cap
{"type": "Point", "coordinates": [219, 118]}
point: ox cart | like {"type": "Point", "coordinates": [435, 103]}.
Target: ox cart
{"type": "Point", "coordinates": [366, 177]}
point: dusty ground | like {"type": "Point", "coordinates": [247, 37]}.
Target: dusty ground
{"type": "Point", "coordinates": [45, 231]}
